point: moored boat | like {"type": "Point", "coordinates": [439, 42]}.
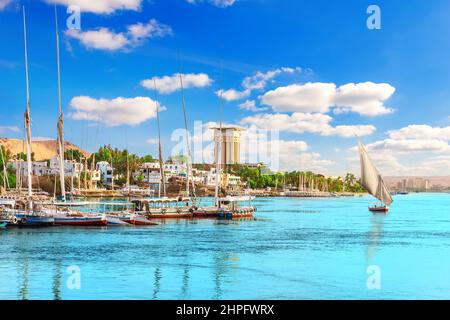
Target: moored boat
{"type": "Point", "coordinates": [115, 221]}
{"type": "Point", "coordinates": [24, 219]}
{"type": "Point", "coordinates": [164, 208]}
{"type": "Point", "coordinates": [228, 208]}
{"type": "Point", "coordinates": [137, 220]}
{"type": "Point", "coordinates": [80, 220]}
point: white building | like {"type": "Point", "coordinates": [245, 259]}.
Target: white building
{"type": "Point", "coordinates": [178, 169]}
{"type": "Point", "coordinates": [229, 138]}
{"type": "Point", "coordinates": [209, 177]}
{"type": "Point", "coordinates": [106, 172]}
{"type": "Point", "coordinates": [150, 171]}
{"type": "Point", "coordinates": [71, 167]}
{"type": "Point", "coordinates": [39, 168]}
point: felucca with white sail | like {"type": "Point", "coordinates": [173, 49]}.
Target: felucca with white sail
{"type": "Point", "coordinates": [372, 180]}
{"type": "Point", "coordinates": [31, 215]}
{"type": "Point", "coordinates": [68, 216]}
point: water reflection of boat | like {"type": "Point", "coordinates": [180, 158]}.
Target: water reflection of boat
{"type": "Point", "coordinates": [374, 236]}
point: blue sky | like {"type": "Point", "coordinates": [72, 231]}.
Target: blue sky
{"type": "Point", "coordinates": [311, 69]}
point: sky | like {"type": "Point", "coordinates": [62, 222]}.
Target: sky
{"type": "Point", "coordinates": [305, 79]}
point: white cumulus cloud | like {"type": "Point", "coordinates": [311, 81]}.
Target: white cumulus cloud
{"type": "Point", "coordinates": [363, 98]}
{"type": "Point", "coordinates": [170, 84]}
{"type": "Point", "coordinates": [410, 145]}
{"type": "Point", "coordinates": [101, 6]}
{"type": "Point", "coordinates": [114, 112]}
{"type": "Point", "coordinates": [103, 39]}
{"type": "Point", "coordinates": [4, 4]}
{"type": "Point", "coordinates": [306, 122]}
{"type": "Point", "coordinates": [257, 81]}
{"type": "Point", "coordinates": [415, 131]}
{"type": "Point", "coordinates": [106, 39]}
{"type": "Point", "coordinates": [4, 129]}
{"type": "Point", "coordinates": [217, 3]}
{"type": "Point", "coordinates": [414, 138]}
{"type": "Point", "coordinates": [232, 94]}
{"type": "Point", "coordinates": [250, 105]}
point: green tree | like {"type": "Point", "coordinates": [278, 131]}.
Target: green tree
{"type": "Point", "coordinates": [23, 156]}
{"type": "Point", "coordinates": [73, 154]}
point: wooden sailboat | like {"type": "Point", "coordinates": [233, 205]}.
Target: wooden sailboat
{"type": "Point", "coordinates": [163, 207]}
{"type": "Point", "coordinates": [60, 118]}
{"type": "Point", "coordinates": [80, 220]}
{"type": "Point", "coordinates": [68, 218]}
{"type": "Point", "coordinates": [29, 216]}
{"type": "Point", "coordinates": [226, 207]}
{"type": "Point", "coordinates": [372, 180]}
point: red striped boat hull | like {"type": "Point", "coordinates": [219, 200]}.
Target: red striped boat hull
{"type": "Point", "coordinates": [138, 221]}
{"type": "Point", "coordinates": [186, 215]}
{"type": "Point", "coordinates": [81, 221]}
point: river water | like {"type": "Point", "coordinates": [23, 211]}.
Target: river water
{"type": "Point", "coordinates": [293, 249]}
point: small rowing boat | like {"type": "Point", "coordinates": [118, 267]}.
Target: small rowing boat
{"type": "Point", "coordinates": [81, 220]}
{"type": "Point", "coordinates": [137, 220]}
{"type": "Point", "coordinates": [115, 221]}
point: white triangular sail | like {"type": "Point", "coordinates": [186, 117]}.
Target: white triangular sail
{"type": "Point", "coordinates": [371, 178]}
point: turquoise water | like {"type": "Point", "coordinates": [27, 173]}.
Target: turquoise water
{"type": "Point", "coordinates": [293, 249]}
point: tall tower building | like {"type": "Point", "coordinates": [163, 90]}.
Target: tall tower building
{"type": "Point", "coordinates": [230, 141]}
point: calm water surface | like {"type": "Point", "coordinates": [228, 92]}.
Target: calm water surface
{"type": "Point", "coordinates": [293, 249]}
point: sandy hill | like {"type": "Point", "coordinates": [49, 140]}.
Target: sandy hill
{"type": "Point", "coordinates": [43, 150]}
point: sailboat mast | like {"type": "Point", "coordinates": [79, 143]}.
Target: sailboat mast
{"type": "Point", "coordinates": [188, 143]}
{"type": "Point", "coordinates": [27, 117]}
{"type": "Point", "coordinates": [5, 173]}
{"type": "Point", "coordinates": [60, 119]}
{"type": "Point", "coordinates": [218, 152]}
{"type": "Point", "coordinates": [128, 175]}
{"type": "Point", "coordinates": [160, 156]}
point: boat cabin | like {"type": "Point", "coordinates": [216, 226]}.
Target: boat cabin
{"type": "Point", "coordinates": [146, 205]}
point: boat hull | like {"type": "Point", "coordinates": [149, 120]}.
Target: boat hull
{"type": "Point", "coordinates": [138, 221]}
{"type": "Point", "coordinates": [81, 221]}
{"type": "Point", "coordinates": [379, 209]}
{"type": "Point", "coordinates": [113, 221]}
{"type": "Point", "coordinates": [234, 215]}
{"type": "Point", "coordinates": [204, 214]}
{"type": "Point", "coordinates": [225, 214]}
{"type": "Point", "coordinates": [182, 215]}
{"type": "Point", "coordinates": [25, 220]}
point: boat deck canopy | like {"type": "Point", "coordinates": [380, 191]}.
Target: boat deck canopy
{"type": "Point", "coordinates": [236, 199]}
{"type": "Point", "coordinates": [161, 200]}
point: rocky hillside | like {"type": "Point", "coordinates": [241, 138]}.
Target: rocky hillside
{"type": "Point", "coordinates": [43, 150]}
